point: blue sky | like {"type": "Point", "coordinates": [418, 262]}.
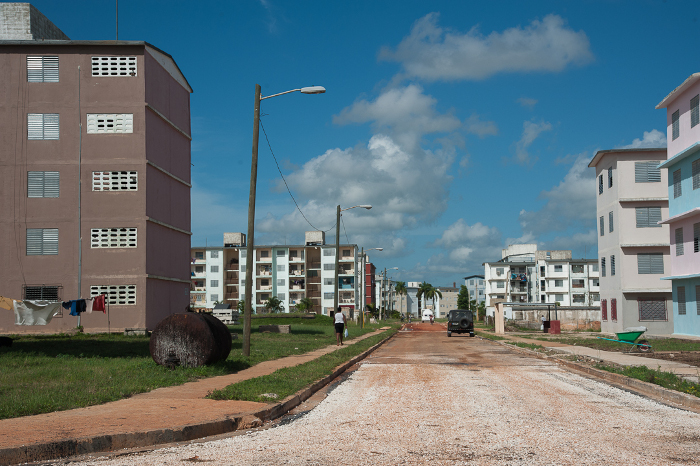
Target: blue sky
{"type": "Point", "coordinates": [467, 125]}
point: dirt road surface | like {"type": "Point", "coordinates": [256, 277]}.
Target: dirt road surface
{"type": "Point", "coordinates": [424, 398]}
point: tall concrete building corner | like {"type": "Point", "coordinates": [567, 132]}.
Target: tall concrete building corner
{"type": "Point", "coordinates": [95, 148]}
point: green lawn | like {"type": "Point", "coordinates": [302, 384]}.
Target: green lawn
{"type": "Point", "coordinates": [658, 344]}
{"type": "Point", "coordinates": [40, 374]}
{"type": "Point", "coordinates": [664, 379]}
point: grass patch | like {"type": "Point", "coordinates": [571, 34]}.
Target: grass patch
{"type": "Point", "coordinates": [665, 379]}
{"type": "Point", "coordinates": [287, 381]}
{"type": "Point", "coordinates": [660, 344]}
{"type": "Point", "coordinates": [531, 346]}
{"type": "Point", "coordinates": [489, 336]}
{"type": "Point", "coordinates": [45, 373]}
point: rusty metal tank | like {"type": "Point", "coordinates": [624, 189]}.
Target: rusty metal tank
{"type": "Point", "coordinates": [190, 340]}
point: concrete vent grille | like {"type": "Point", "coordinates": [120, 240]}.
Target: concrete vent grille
{"type": "Point", "coordinates": [121, 295]}
{"type": "Point", "coordinates": [113, 238]}
{"type": "Point", "coordinates": [107, 123]}
{"type": "Point", "coordinates": [114, 66]}
{"type": "Point", "coordinates": [42, 69]}
{"type": "Point", "coordinates": [114, 181]}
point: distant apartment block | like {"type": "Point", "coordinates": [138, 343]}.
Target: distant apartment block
{"type": "Point", "coordinates": [289, 272]}
{"type": "Point", "coordinates": [476, 285]}
{"type": "Point", "coordinates": [633, 248]}
{"type": "Point", "coordinates": [447, 302]}
{"type": "Point", "coordinates": [95, 157]}
{"type": "Point", "coordinates": [527, 275]}
{"type": "Point", "coordinates": [683, 220]}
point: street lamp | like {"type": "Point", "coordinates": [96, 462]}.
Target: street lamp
{"type": "Point", "coordinates": [251, 208]}
{"type": "Point", "coordinates": [362, 281]}
{"type": "Point", "coordinates": [384, 288]}
{"type": "Point", "coordinates": [337, 248]}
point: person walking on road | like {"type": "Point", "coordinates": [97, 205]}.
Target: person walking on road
{"type": "Point", "coordinates": [339, 326]}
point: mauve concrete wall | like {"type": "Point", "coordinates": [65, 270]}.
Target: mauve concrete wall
{"type": "Point", "coordinates": [687, 136]}
{"type": "Point", "coordinates": [689, 262]}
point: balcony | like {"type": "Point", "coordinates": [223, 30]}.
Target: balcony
{"type": "Point", "coordinates": [346, 270]}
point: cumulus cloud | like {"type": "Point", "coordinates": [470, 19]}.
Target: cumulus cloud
{"type": "Point", "coordinates": [531, 131]}
{"type": "Point", "coordinates": [461, 233]}
{"type": "Point", "coordinates": [527, 102]}
{"type": "Point", "coordinates": [571, 203]}
{"type": "Point", "coordinates": [475, 125]}
{"type": "Point", "coordinates": [651, 139]}
{"type": "Point", "coordinates": [432, 53]}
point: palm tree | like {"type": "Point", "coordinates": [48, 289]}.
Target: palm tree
{"type": "Point", "coordinates": [431, 294]}
{"type": "Point", "coordinates": [400, 289]}
{"type": "Point", "coordinates": [274, 305]}
{"type": "Point", "coordinates": [423, 290]}
{"type": "Point", "coordinates": [305, 304]}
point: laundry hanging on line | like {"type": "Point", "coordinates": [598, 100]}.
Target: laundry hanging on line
{"type": "Point", "coordinates": [35, 312]}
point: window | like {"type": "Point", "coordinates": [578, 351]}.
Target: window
{"type": "Point", "coordinates": [280, 268]}
{"type": "Point", "coordinates": [558, 268]}
{"type": "Point", "coordinates": [199, 255]}
{"type": "Point", "coordinates": [600, 184]}
{"type": "Point", "coordinates": [558, 283]}
{"type": "Point", "coordinates": [652, 263]}
{"type": "Point", "coordinates": [610, 222]}
{"type": "Point", "coordinates": [198, 269]}
{"type": "Point", "coordinates": [694, 111]}
{"type": "Point", "coordinates": [42, 292]}
{"type": "Point", "coordinates": [542, 270]}
{"type": "Point", "coordinates": [280, 282]}
{"type": "Point", "coordinates": [101, 238]}
{"type": "Point", "coordinates": [542, 282]}
{"type": "Point", "coordinates": [578, 283]}
{"type": "Point", "coordinates": [595, 297]}
{"type": "Point", "coordinates": [265, 253]}
{"type": "Point", "coordinates": [328, 281]}
{"type": "Point", "coordinates": [114, 66]}
{"type": "Point", "coordinates": [214, 269]}
{"type": "Point", "coordinates": [120, 295]}
{"type": "Point", "coordinates": [579, 299]}
{"type": "Point", "coordinates": [114, 181]}
{"type": "Point", "coordinates": [602, 226]}
{"type": "Point", "coordinates": [652, 309]}
{"type": "Point", "coordinates": [242, 267]}
{"type": "Point", "coordinates": [281, 296]}
{"type": "Point", "coordinates": [214, 254]}
{"type": "Point", "coordinates": [499, 271]}
{"type": "Point", "coordinates": [42, 69]}
{"type": "Point", "coordinates": [346, 252]}
{"type": "Point", "coordinates": [328, 266]}
{"type": "Point", "coordinates": [577, 268]}
{"type": "Point", "coordinates": [265, 282]}
{"type": "Point", "coordinates": [675, 126]}
{"type": "Point", "coordinates": [559, 298]}
{"type": "Point", "coordinates": [697, 299]}
{"type": "Point", "coordinates": [243, 253]}
{"type": "Point", "coordinates": [647, 172]}
{"type": "Point", "coordinates": [594, 267]}
{"type": "Point", "coordinates": [328, 252]}
{"type": "Point", "coordinates": [695, 168]}
{"type": "Point", "coordinates": [500, 285]}
{"type": "Point", "coordinates": [328, 295]}
{"type": "Point", "coordinates": [42, 126]}
{"type": "Point", "coordinates": [610, 177]}
{"type": "Point", "coordinates": [677, 191]}
{"type": "Point", "coordinates": [106, 123]}
{"type": "Point", "coordinates": [280, 253]}
{"type": "Point", "coordinates": [595, 282]}
{"type": "Point", "coordinates": [602, 266]}
{"type": "Point", "coordinates": [648, 217]}
{"type": "Point", "coordinates": [214, 297]}
{"type": "Point", "coordinates": [613, 310]}
{"type": "Point", "coordinates": [680, 299]}
{"type": "Point", "coordinates": [696, 237]}
{"type": "Point", "coordinates": [604, 309]}
{"type": "Point", "coordinates": [214, 283]}
{"type": "Point", "coordinates": [42, 241]}
{"type": "Point", "coordinates": [42, 184]}
{"type": "Point", "coordinates": [679, 241]}
{"type": "Point", "coordinates": [612, 265]}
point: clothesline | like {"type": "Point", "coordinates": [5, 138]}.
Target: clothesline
{"type": "Point", "coordinates": [38, 312]}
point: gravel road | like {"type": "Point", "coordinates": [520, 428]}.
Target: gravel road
{"type": "Point", "coordinates": [424, 398]}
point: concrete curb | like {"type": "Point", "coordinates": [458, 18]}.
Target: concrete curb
{"type": "Point", "coordinates": [651, 390]}
{"type": "Point", "coordinates": [108, 443]}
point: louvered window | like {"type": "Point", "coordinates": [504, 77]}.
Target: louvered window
{"type": "Point", "coordinates": [652, 263]}
{"type": "Point", "coordinates": [679, 241]}
{"type": "Point", "coordinates": [214, 283]}
{"type": "Point", "coordinates": [107, 123]}
{"type": "Point", "coordinates": [114, 66]}
{"type": "Point", "coordinates": [600, 184]}
{"type": "Point", "coordinates": [281, 296]}
{"type": "Point", "coordinates": [119, 295]}
{"type": "Point", "coordinates": [696, 174]}
{"type": "Point", "coordinates": [602, 226]}
{"type": "Point", "coordinates": [214, 269]}
{"type": "Point", "coordinates": [42, 126]}
{"type": "Point", "coordinates": [652, 309]}
{"type": "Point", "coordinates": [280, 268]}
{"type": "Point", "coordinates": [328, 281]}
{"type": "Point", "coordinates": [43, 293]}
{"type": "Point", "coordinates": [612, 265]}
{"type": "Point", "coordinates": [604, 309]}
{"type": "Point", "coordinates": [42, 69]}
{"type": "Point", "coordinates": [114, 181]}
{"type": "Point", "coordinates": [694, 111]}
{"type": "Point", "coordinates": [613, 310]}
{"type": "Point", "coordinates": [328, 266]}
{"type": "Point", "coordinates": [697, 299]}
{"type": "Point", "coordinates": [675, 126]}
{"type": "Point", "coordinates": [113, 238]}
{"type": "Point", "coordinates": [647, 172]}
{"type": "Point", "coordinates": [42, 241]}
{"type": "Point", "coordinates": [328, 295]}
{"type": "Point", "coordinates": [280, 282]}
{"type": "Point", "coordinates": [677, 184]}
{"type": "Point", "coordinates": [602, 266]}
{"type": "Point", "coordinates": [680, 300]}
{"type": "Point", "coordinates": [42, 184]}
{"type": "Point", "coordinates": [696, 237]}
{"type": "Point", "coordinates": [610, 222]}
{"type": "Point", "coordinates": [610, 177]}
{"type": "Point", "coordinates": [329, 252]}
{"type": "Point", "coordinates": [648, 217]}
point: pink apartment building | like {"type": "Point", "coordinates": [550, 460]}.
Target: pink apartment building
{"type": "Point", "coordinates": [95, 156]}
{"type": "Point", "coordinates": [633, 249]}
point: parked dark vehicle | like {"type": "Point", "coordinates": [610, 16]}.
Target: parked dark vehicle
{"type": "Point", "coordinates": [460, 321]}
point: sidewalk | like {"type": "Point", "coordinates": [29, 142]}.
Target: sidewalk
{"type": "Point", "coordinates": [164, 415]}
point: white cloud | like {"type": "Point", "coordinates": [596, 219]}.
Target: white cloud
{"type": "Point", "coordinates": [432, 53]}
{"type": "Point", "coordinates": [531, 131]}
{"type": "Point", "coordinates": [652, 139]}
{"type": "Point", "coordinates": [461, 233]}
{"type": "Point", "coordinates": [578, 240]}
{"type": "Point", "coordinates": [527, 102]}
{"type": "Point", "coordinates": [213, 214]}
{"type": "Point", "coordinates": [475, 125]}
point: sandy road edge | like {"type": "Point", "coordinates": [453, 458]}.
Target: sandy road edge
{"type": "Point", "coordinates": [66, 450]}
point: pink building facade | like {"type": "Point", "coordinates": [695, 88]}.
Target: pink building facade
{"type": "Point", "coordinates": [683, 182]}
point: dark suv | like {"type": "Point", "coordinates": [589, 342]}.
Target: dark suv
{"type": "Point", "coordinates": [460, 321]}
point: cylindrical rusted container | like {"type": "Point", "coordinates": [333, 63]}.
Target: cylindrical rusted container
{"type": "Point", "coordinates": [190, 340]}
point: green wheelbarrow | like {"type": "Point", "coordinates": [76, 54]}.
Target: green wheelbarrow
{"type": "Point", "coordinates": [630, 336]}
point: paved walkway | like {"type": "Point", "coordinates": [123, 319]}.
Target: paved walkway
{"type": "Point", "coordinates": [691, 373]}
{"type": "Point", "coordinates": [159, 416]}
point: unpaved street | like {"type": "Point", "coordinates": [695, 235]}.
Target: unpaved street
{"type": "Point", "coordinates": [424, 398]}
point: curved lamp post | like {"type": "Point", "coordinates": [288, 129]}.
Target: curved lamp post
{"type": "Point", "coordinates": [337, 248]}
{"type": "Point", "coordinates": [251, 208]}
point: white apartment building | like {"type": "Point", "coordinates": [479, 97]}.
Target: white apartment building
{"type": "Point", "coordinates": [289, 272]}
{"type": "Point", "coordinates": [477, 287]}
{"type": "Point", "coordinates": [447, 302]}
{"type": "Point", "coordinates": [526, 275]}
{"type": "Point", "coordinates": [633, 248]}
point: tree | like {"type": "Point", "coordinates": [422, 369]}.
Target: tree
{"type": "Point", "coordinates": [481, 311]}
{"type": "Point", "coordinates": [274, 305]}
{"type": "Point", "coordinates": [305, 305]}
{"type": "Point", "coordinates": [463, 298]}
{"type": "Point", "coordinates": [423, 289]}
{"type": "Point", "coordinates": [401, 291]}
{"type": "Point", "coordinates": [431, 294]}
{"type": "Point", "coordinates": [240, 307]}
